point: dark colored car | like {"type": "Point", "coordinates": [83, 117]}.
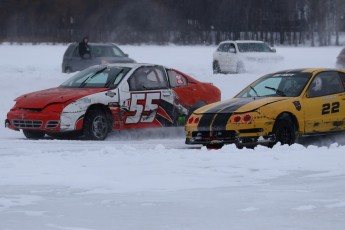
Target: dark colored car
{"type": "Point", "coordinates": [100, 54]}
{"type": "Point", "coordinates": [341, 60]}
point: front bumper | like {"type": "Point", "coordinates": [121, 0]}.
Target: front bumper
{"type": "Point", "coordinates": [227, 137]}
{"type": "Point", "coordinates": [30, 120]}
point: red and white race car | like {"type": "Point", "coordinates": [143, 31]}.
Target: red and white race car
{"type": "Point", "coordinates": [111, 97]}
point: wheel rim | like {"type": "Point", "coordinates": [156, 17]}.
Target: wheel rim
{"type": "Point", "coordinates": [99, 127]}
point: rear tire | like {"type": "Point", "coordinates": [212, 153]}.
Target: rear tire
{"type": "Point", "coordinates": [96, 125]}
{"type": "Point", "coordinates": [216, 67]}
{"type": "Point", "coordinates": [33, 134]}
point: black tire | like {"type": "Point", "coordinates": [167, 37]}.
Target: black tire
{"type": "Point", "coordinates": [96, 125]}
{"type": "Point", "coordinates": [240, 67]}
{"type": "Point", "coordinates": [284, 130]}
{"type": "Point", "coordinates": [216, 67]}
{"type": "Point", "coordinates": [33, 134]}
{"type": "Point", "coordinates": [214, 146]}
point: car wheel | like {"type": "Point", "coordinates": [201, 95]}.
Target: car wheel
{"type": "Point", "coordinates": [33, 134]}
{"type": "Point", "coordinates": [214, 146]}
{"type": "Point", "coordinates": [240, 67]}
{"type": "Point", "coordinates": [284, 130]}
{"type": "Point", "coordinates": [96, 125]}
{"type": "Point", "coordinates": [216, 67]}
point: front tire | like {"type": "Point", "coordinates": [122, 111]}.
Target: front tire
{"type": "Point", "coordinates": [96, 125]}
{"type": "Point", "coordinates": [284, 130]}
{"type": "Point", "coordinates": [33, 134]}
{"type": "Point", "coordinates": [216, 67]}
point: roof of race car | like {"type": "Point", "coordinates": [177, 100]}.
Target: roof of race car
{"type": "Point", "coordinates": [242, 41]}
{"type": "Point", "coordinates": [129, 65]}
{"type": "Point", "coordinates": [306, 70]}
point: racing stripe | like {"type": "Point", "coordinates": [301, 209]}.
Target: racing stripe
{"type": "Point", "coordinates": [224, 115]}
{"type": "Point", "coordinates": [216, 117]}
{"type": "Point", "coordinates": [206, 121]}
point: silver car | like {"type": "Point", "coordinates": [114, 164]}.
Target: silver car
{"type": "Point", "coordinates": [100, 54]}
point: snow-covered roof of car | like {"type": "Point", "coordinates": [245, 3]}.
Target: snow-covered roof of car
{"type": "Point", "coordinates": [243, 41]}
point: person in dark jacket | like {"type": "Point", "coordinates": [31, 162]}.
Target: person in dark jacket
{"type": "Point", "coordinates": [84, 48]}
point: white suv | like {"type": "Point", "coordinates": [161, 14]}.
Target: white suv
{"type": "Point", "coordinates": [236, 56]}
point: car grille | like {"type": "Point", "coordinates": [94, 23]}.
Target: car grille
{"type": "Point", "coordinates": [52, 124]}
{"type": "Point", "coordinates": [35, 124]}
{"type": "Point", "coordinates": [216, 135]}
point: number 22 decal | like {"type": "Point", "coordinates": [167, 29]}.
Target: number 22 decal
{"type": "Point", "coordinates": [330, 108]}
{"type": "Point", "coordinates": [144, 106]}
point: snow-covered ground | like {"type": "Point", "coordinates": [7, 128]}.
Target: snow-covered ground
{"type": "Point", "coordinates": [151, 179]}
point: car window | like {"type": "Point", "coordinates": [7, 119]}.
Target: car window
{"type": "Point", "coordinates": [342, 77]}
{"type": "Point", "coordinates": [176, 79]}
{"type": "Point", "coordinates": [253, 47]}
{"type": "Point", "coordinates": [117, 52]}
{"type": "Point", "coordinates": [232, 48]}
{"type": "Point", "coordinates": [148, 78]}
{"type": "Point", "coordinates": [69, 51]}
{"type": "Point", "coordinates": [97, 77]}
{"type": "Point", "coordinates": [280, 84]}
{"type": "Point", "coordinates": [224, 47]}
{"type": "Point", "coordinates": [76, 52]}
{"type": "Point", "coordinates": [325, 83]}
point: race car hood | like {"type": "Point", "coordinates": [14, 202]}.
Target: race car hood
{"type": "Point", "coordinates": [239, 105]}
{"type": "Point", "coordinates": [40, 99]}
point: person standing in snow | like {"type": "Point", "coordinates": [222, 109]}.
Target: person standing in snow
{"type": "Point", "coordinates": [84, 48]}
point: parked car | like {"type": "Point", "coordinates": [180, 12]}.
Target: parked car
{"type": "Point", "coordinates": [341, 60]}
{"type": "Point", "coordinates": [278, 107]}
{"type": "Point", "coordinates": [236, 56]}
{"type": "Point", "coordinates": [111, 97]}
{"type": "Point", "coordinates": [99, 54]}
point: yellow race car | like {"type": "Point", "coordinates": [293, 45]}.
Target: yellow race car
{"type": "Point", "coordinates": [278, 107]}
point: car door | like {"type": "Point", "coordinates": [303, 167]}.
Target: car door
{"type": "Point", "coordinates": [221, 55]}
{"type": "Point", "coordinates": [148, 100]}
{"type": "Point", "coordinates": [324, 103]}
{"type": "Point", "coordinates": [230, 61]}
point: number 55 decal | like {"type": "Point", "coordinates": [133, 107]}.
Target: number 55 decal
{"type": "Point", "coordinates": [144, 106]}
{"type": "Point", "coordinates": [330, 108]}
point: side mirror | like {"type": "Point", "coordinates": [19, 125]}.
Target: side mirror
{"type": "Point", "coordinates": [126, 55]}
{"type": "Point", "coordinates": [273, 50]}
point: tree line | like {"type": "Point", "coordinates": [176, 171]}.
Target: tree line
{"type": "Point", "coordinates": [185, 22]}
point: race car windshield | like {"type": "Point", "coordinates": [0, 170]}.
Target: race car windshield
{"type": "Point", "coordinates": [253, 47]}
{"type": "Point", "coordinates": [97, 77]}
{"type": "Point", "coordinates": [277, 85]}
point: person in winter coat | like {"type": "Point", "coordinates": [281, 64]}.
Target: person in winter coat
{"type": "Point", "coordinates": [84, 48]}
